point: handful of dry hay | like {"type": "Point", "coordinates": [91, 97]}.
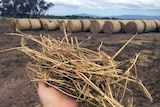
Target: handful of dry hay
{"type": "Point", "coordinates": [91, 77]}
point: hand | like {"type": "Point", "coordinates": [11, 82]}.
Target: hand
{"type": "Point", "coordinates": [50, 97]}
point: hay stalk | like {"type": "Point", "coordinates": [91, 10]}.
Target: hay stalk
{"type": "Point", "coordinates": [91, 77]}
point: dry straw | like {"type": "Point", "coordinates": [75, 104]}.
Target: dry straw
{"type": "Point", "coordinates": [153, 24]}
{"type": "Point", "coordinates": [97, 26]}
{"type": "Point", "coordinates": [112, 26]}
{"type": "Point", "coordinates": [74, 26]}
{"type": "Point", "coordinates": [64, 21]}
{"type": "Point", "coordinates": [85, 25]}
{"type": "Point", "coordinates": [56, 21]}
{"type": "Point", "coordinates": [23, 24]}
{"type": "Point", "coordinates": [43, 22]}
{"type": "Point", "coordinates": [35, 24]}
{"type": "Point", "coordinates": [123, 24]}
{"type": "Point", "coordinates": [150, 25]}
{"type": "Point", "coordinates": [91, 77]}
{"type": "Point", "coordinates": [135, 26]}
{"type": "Point", "coordinates": [51, 24]}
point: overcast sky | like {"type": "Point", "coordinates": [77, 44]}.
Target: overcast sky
{"type": "Point", "coordinates": [105, 7]}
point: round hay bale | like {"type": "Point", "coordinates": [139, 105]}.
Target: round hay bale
{"type": "Point", "coordinates": [112, 26]}
{"type": "Point", "coordinates": [74, 26]}
{"type": "Point", "coordinates": [153, 24]}
{"type": "Point", "coordinates": [11, 24]}
{"type": "Point", "coordinates": [61, 24]}
{"type": "Point", "coordinates": [97, 26]}
{"type": "Point", "coordinates": [56, 22]}
{"type": "Point", "coordinates": [85, 25]}
{"type": "Point", "coordinates": [23, 24]}
{"type": "Point", "coordinates": [35, 24]}
{"type": "Point", "coordinates": [147, 25]}
{"type": "Point", "coordinates": [59, 20]}
{"type": "Point", "coordinates": [123, 24]}
{"type": "Point", "coordinates": [50, 26]}
{"type": "Point", "coordinates": [135, 26]}
{"type": "Point", "coordinates": [43, 22]}
{"type": "Point", "coordinates": [150, 25]}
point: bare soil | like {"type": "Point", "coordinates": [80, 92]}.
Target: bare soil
{"type": "Point", "coordinates": [17, 91]}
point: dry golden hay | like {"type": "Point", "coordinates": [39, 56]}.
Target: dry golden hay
{"type": "Point", "coordinates": [35, 24]}
{"type": "Point", "coordinates": [91, 77]}
{"type": "Point", "coordinates": [50, 26]}
{"type": "Point", "coordinates": [97, 26]}
{"type": "Point", "coordinates": [23, 24]}
{"type": "Point", "coordinates": [59, 20]}
{"type": "Point", "coordinates": [150, 25]}
{"type": "Point", "coordinates": [74, 26]}
{"type": "Point", "coordinates": [112, 26]}
{"type": "Point", "coordinates": [12, 24]}
{"type": "Point", "coordinates": [123, 24]}
{"type": "Point", "coordinates": [61, 24]}
{"type": "Point", "coordinates": [56, 21]}
{"type": "Point", "coordinates": [135, 26]}
{"type": "Point", "coordinates": [43, 22]}
{"type": "Point", "coordinates": [154, 26]}
{"type": "Point", "coordinates": [85, 25]}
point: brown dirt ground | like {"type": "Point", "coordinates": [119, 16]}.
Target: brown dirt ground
{"type": "Point", "coordinates": [17, 91]}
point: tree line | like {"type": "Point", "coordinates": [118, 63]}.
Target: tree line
{"type": "Point", "coordinates": [24, 8]}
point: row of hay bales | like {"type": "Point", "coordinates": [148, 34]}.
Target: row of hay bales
{"type": "Point", "coordinates": [86, 25]}
{"type": "Point", "coordinates": [32, 24]}
{"type": "Point", "coordinates": [48, 24]}
{"type": "Point", "coordinates": [125, 26]}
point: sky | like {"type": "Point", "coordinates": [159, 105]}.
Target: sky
{"type": "Point", "coordinates": [105, 7]}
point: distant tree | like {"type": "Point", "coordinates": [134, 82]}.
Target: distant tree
{"type": "Point", "coordinates": [38, 7]}
{"type": "Point", "coordinates": [28, 8]}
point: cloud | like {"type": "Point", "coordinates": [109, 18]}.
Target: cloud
{"type": "Point", "coordinates": [108, 4]}
{"type": "Point", "coordinates": [74, 3]}
{"type": "Point", "coordinates": [133, 4]}
{"type": "Point", "coordinates": [105, 7]}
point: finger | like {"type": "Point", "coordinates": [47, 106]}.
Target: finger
{"type": "Point", "coordinates": [41, 85]}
